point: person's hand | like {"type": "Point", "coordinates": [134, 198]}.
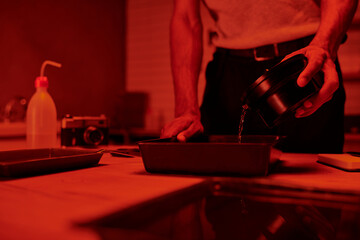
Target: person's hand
{"type": "Point", "coordinates": [183, 127]}
{"type": "Point", "coordinates": [318, 60]}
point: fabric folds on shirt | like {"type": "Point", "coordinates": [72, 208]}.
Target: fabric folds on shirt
{"type": "Point", "coordinates": [243, 24]}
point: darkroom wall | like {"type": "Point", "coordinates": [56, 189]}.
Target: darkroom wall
{"type": "Point", "coordinates": [148, 58]}
{"type": "Point", "coordinates": [86, 36]}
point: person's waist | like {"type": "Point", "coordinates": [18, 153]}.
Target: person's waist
{"type": "Point", "coordinates": [270, 51]}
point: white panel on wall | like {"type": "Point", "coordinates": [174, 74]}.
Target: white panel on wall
{"type": "Point", "coordinates": [148, 57]}
{"type": "Point", "coordinates": [349, 58]}
{"type": "Point", "coordinates": [352, 104]}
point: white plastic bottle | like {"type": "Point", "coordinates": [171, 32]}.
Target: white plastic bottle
{"type": "Point", "coordinates": [41, 119]}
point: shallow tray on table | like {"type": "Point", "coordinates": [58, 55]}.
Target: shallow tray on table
{"type": "Point", "coordinates": [18, 163]}
{"type": "Point", "coordinates": [212, 155]}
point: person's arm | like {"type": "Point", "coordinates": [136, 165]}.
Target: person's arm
{"type": "Point", "coordinates": [186, 56]}
{"type": "Point", "coordinates": [336, 17]}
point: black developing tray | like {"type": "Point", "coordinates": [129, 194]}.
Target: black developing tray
{"type": "Point", "coordinates": [18, 163]}
{"type": "Point", "coordinates": [211, 155]}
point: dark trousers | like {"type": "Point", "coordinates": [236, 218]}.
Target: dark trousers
{"type": "Point", "coordinates": [228, 77]}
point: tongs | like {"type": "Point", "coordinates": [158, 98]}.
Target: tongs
{"type": "Point", "coordinates": [127, 153]}
{"type": "Point", "coordinates": [355, 154]}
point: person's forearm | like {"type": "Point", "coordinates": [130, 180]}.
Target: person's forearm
{"type": "Point", "coordinates": [186, 56]}
{"type": "Point", "coordinates": [336, 17]}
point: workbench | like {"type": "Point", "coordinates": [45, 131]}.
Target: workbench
{"type": "Point", "coordinates": [119, 198]}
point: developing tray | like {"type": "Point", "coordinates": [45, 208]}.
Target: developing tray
{"type": "Point", "coordinates": [212, 155]}
{"type": "Point", "coordinates": [20, 163]}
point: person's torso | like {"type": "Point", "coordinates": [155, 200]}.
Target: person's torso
{"type": "Point", "coordinates": [246, 24]}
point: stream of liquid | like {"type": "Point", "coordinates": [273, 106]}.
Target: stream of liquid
{"type": "Point", "coordinates": [244, 109]}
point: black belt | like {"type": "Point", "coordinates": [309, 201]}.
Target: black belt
{"type": "Point", "coordinates": [270, 51]}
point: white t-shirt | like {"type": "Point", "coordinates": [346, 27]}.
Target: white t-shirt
{"type": "Point", "coordinates": [242, 24]}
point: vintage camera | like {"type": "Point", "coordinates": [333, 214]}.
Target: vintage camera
{"type": "Point", "coordinates": [84, 131]}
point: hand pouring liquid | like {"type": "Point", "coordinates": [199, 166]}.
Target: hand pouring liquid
{"type": "Point", "coordinates": [41, 125]}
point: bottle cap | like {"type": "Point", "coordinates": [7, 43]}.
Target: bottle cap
{"type": "Point", "coordinates": [41, 82]}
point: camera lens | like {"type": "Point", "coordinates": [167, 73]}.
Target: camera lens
{"type": "Point", "coordinates": [93, 136]}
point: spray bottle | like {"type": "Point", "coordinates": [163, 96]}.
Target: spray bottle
{"type": "Point", "coordinates": [41, 119]}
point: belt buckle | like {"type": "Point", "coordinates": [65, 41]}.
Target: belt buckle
{"type": "Point", "coordinates": [259, 58]}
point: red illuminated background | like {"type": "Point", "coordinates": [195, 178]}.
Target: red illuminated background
{"type": "Point", "coordinates": [87, 37]}
{"type": "Point", "coordinates": [108, 48]}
